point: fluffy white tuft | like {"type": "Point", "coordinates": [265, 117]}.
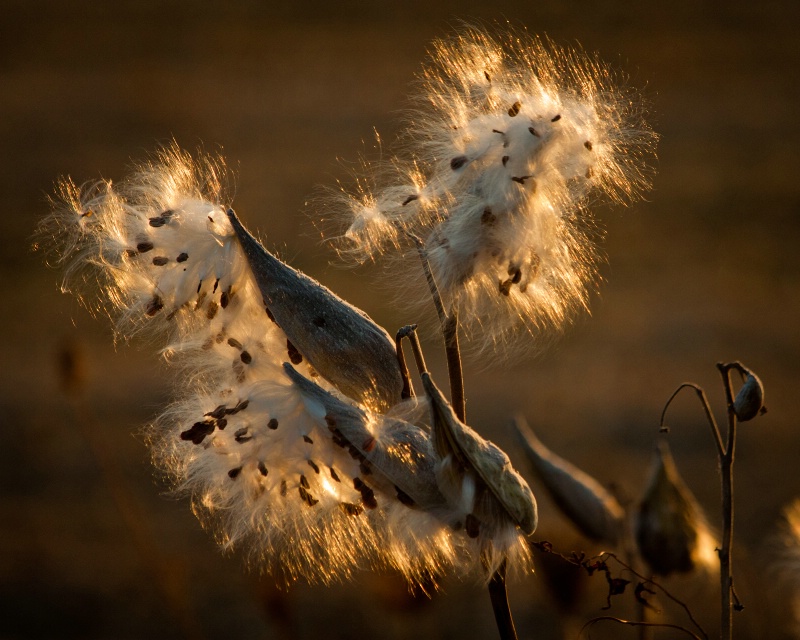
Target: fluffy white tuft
{"type": "Point", "coordinates": [509, 141]}
{"type": "Point", "coordinates": [255, 452]}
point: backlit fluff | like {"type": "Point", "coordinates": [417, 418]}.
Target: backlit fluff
{"type": "Point", "coordinates": [260, 446]}
{"type": "Point", "coordinates": [508, 142]}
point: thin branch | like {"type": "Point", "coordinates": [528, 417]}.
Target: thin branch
{"type": "Point", "coordinates": [709, 415]}
{"type": "Point", "coordinates": [454, 370]}
{"type": "Point", "coordinates": [408, 388]}
{"type": "Point", "coordinates": [410, 332]}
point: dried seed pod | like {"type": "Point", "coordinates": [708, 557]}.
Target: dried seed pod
{"type": "Point", "coordinates": [749, 402]}
{"type": "Point", "coordinates": [472, 453]}
{"type": "Point", "coordinates": [580, 497]}
{"type": "Point", "coordinates": [348, 348]}
{"type": "Point", "coordinates": [671, 530]}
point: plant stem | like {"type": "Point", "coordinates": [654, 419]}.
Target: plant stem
{"type": "Point", "coordinates": [450, 331]}
{"type": "Point", "coordinates": [499, 597]}
{"type": "Point", "coordinates": [726, 469]}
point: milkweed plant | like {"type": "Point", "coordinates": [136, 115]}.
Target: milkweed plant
{"type": "Point", "coordinates": [295, 428]}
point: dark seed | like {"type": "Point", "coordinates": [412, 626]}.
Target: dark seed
{"type": "Point", "coordinates": [269, 314]}
{"type": "Point", "coordinates": [516, 277]}
{"type": "Point", "coordinates": [335, 475]}
{"type": "Point", "coordinates": [272, 424]}
{"type": "Point", "coordinates": [458, 162]}
{"type": "Point", "coordinates": [514, 110]}
{"type": "Point", "coordinates": [235, 343]}
{"type": "Point", "coordinates": [307, 497]}
{"type": "Point", "coordinates": [505, 160]}
{"type": "Point", "coordinates": [487, 76]}
{"type": "Point", "coordinates": [183, 257]}
{"type": "Point", "coordinates": [351, 509]}
{"type": "Point", "coordinates": [216, 286]}
{"type": "Point", "coordinates": [410, 198]}
{"type": "Point", "coordinates": [224, 299]}
{"type": "Point", "coordinates": [167, 214]}
{"type": "Point", "coordinates": [130, 253]}
{"type": "Point", "coordinates": [555, 118]}
{"type": "Point", "coordinates": [307, 439]}
{"type": "Point", "coordinates": [313, 465]}
{"type": "Point", "coordinates": [200, 300]}
{"type": "Point", "coordinates": [222, 423]}
{"type": "Point", "coordinates": [473, 526]}
{"type": "Point", "coordinates": [217, 413]}
{"type": "Point", "coordinates": [533, 131]}
{"type": "Point", "coordinates": [505, 287]}
{"type": "Point", "coordinates": [241, 436]}
{"type": "Point", "coordinates": [246, 357]}
{"type": "Point", "coordinates": [262, 468]}
{"type": "Point", "coordinates": [403, 497]}
{"type": "Point", "coordinates": [241, 406]}
{"type": "Point", "coordinates": [199, 286]}
{"type": "Point", "coordinates": [520, 179]}
{"type": "Point", "coordinates": [588, 145]}
{"type": "Point", "coordinates": [213, 307]}
{"type": "Point", "coordinates": [233, 473]}
{"type": "Point", "coordinates": [158, 221]}
{"type": "Point", "coordinates": [487, 217]}
{"type": "Point", "coordinates": [198, 432]}
{"type": "Point", "coordinates": [283, 488]}
{"type": "Point", "coordinates": [304, 482]}
{"type": "Point", "coordinates": [144, 247]}
{"type": "Point", "coordinates": [154, 306]}
{"type": "Point", "coordinates": [294, 355]}
{"type": "Point", "coordinates": [160, 261]}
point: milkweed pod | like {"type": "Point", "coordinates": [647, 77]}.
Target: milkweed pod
{"type": "Point", "coordinates": [671, 530]}
{"type": "Point", "coordinates": [749, 402]}
{"type": "Point", "coordinates": [473, 453]}
{"type": "Point", "coordinates": [398, 450]}
{"type": "Point", "coordinates": [580, 497]}
{"type": "Point", "coordinates": [340, 341]}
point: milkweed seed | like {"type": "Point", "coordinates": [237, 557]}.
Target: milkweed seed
{"type": "Point", "coordinates": [213, 307]}
{"type": "Point", "coordinates": [272, 424]}
{"type": "Point", "coordinates": [182, 257]}
{"type": "Point", "coordinates": [222, 423]}
{"type": "Point", "coordinates": [269, 314]}
{"type": "Point", "coordinates": [335, 475]}
{"type": "Point", "coordinates": [235, 343]}
{"type": "Point", "coordinates": [458, 162]}
{"type": "Point", "coordinates": [160, 261]}
{"type": "Point", "coordinates": [307, 439]}
{"type": "Point", "coordinates": [144, 247]}
{"type": "Point", "coordinates": [217, 413]}
{"type": "Point", "coordinates": [216, 286]}
{"type": "Point", "coordinates": [487, 217]}
{"type": "Point", "coordinates": [246, 357]}
{"type": "Point", "coordinates": [555, 118]}
{"type": "Point", "coordinates": [313, 465]}
{"type": "Point", "coordinates": [158, 221]}
{"type": "Point", "coordinates": [533, 131]}
{"type": "Point", "coordinates": [410, 198]}
{"type": "Point", "coordinates": [294, 355]}
{"type": "Point", "coordinates": [283, 488]}
{"type": "Point", "coordinates": [262, 468]}
{"type": "Point", "coordinates": [198, 432]}
{"type": "Point", "coordinates": [304, 482]}
{"type": "Point", "coordinates": [307, 497]}
{"type": "Point", "coordinates": [351, 509]}
{"type": "Point", "coordinates": [154, 306]}
{"type": "Point", "coordinates": [514, 110]}
{"type": "Point", "coordinates": [505, 160]}
{"type": "Point", "coordinates": [224, 299]}
{"type": "Point", "coordinates": [588, 145]}
{"type": "Point", "coordinates": [234, 473]}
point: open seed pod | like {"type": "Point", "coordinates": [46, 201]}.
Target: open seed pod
{"type": "Point", "coordinates": [749, 402]}
{"type": "Point", "coordinates": [340, 341]}
{"type": "Point", "coordinates": [580, 497]}
{"type": "Point", "coordinates": [466, 453]}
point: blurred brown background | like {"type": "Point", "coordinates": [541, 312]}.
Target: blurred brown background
{"type": "Point", "coordinates": [706, 270]}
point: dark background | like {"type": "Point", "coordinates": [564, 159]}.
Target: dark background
{"type": "Point", "coordinates": [706, 270]}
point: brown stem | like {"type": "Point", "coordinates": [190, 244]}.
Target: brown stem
{"type": "Point", "coordinates": [726, 469]}
{"type": "Point", "coordinates": [499, 597]}
{"type": "Point", "coordinates": [450, 330]}
{"type": "Point", "coordinates": [706, 407]}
